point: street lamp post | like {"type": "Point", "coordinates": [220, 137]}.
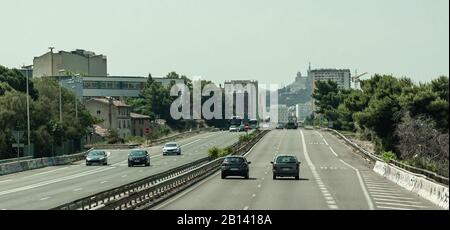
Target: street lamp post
{"type": "Point", "coordinates": [28, 111]}
{"type": "Point", "coordinates": [60, 95]}
{"type": "Point", "coordinates": [74, 80]}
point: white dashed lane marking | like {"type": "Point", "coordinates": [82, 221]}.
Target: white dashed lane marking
{"type": "Point", "coordinates": [44, 198]}
{"type": "Point", "coordinates": [77, 189]}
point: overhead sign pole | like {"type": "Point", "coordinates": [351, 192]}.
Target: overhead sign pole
{"type": "Point", "coordinates": [17, 135]}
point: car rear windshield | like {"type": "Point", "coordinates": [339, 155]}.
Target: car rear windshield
{"type": "Point", "coordinates": [171, 145]}
{"type": "Point", "coordinates": [137, 153]}
{"type": "Point", "coordinates": [233, 160]}
{"type": "Point", "coordinates": [286, 159]}
{"type": "Point", "coordinates": [96, 153]}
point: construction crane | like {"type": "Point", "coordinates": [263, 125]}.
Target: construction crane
{"type": "Point", "coordinates": [355, 79]}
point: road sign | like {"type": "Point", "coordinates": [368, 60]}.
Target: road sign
{"type": "Point", "coordinates": [147, 130]}
{"type": "Point", "coordinates": [17, 135]}
{"type": "Point", "coordinates": [18, 145]}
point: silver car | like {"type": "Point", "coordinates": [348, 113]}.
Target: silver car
{"type": "Point", "coordinates": [171, 148]}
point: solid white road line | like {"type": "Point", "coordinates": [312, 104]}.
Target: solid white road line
{"type": "Point", "coordinates": [383, 190]}
{"type": "Point", "coordinates": [333, 152]}
{"type": "Point", "coordinates": [191, 143]}
{"type": "Point", "coordinates": [398, 201]}
{"type": "Point", "coordinates": [363, 187]}
{"type": "Point", "coordinates": [44, 183]}
{"type": "Point", "coordinates": [322, 138]}
{"type": "Point", "coordinates": [394, 208]}
{"type": "Point", "coordinates": [394, 197]}
{"type": "Point", "coordinates": [406, 205]}
{"type": "Point", "coordinates": [42, 173]}
{"type": "Point", "coordinates": [3, 181]}
{"type": "Point", "coordinates": [374, 193]}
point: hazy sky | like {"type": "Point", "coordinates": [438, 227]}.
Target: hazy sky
{"type": "Point", "coordinates": [267, 41]}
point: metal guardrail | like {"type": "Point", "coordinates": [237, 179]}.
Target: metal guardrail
{"type": "Point", "coordinates": [4, 161]}
{"type": "Point", "coordinates": [425, 173]}
{"type": "Point", "coordinates": [370, 155]}
{"type": "Point", "coordinates": [146, 192]}
{"type": "Point", "coordinates": [106, 198]}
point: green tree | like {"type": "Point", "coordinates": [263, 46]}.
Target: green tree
{"type": "Point", "coordinates": [17, 81]}
{"type": "Point", "coordinates": [384, 110]}
{"type": "Point", "coordinates": [154, 100]}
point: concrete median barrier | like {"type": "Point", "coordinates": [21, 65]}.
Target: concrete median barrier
{"type": "Point", "coordinates": [416, 183]}
{"type": "Point", "coordinates": [14, 167]}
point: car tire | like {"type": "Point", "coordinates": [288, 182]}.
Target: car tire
{"type": "Point", "coordinates": [148, 164]}
{"type": "Point", "coordinates": [87, 164]}
{"type": "Point", "coordinates": [297, 177]}
{"type": "Point", "coordinates": [247, 176]}
{"type": "Point", "coordinates": [274, 177]}
{"type": "Point", "coordinates": [223, 176]}
{"type": "Point", "coordinates": [130, 165]}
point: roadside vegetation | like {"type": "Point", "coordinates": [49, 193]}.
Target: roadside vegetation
{"type": "Point", "coordinates": [47, 132]}
{"type": "Point", "coordinates": [405, 121]}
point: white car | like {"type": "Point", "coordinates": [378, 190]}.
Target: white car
{"type": "Point", "coordinates": [171, 148]}
{"type": "Point", "coordinates": [234, 128]}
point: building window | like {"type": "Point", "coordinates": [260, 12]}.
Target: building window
{"type": "Point", "coordinates": [99, 112]}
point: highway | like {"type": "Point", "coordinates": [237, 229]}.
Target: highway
{"type": "Point", "coordinates": [49, 187]}
{"type": "Point", "coordinates": [332, 177]}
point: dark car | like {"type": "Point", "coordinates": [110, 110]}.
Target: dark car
{"type": "Point", "coordinates": [242, 128]}
{"type": "Point", "coordinates": [286, 166]}
{"type": "Point", "coordinates": [96, 157]}
{"type": "Point", "coordinates": [138, 157]}
{"type": "Point", "coordinates": [235, 166]}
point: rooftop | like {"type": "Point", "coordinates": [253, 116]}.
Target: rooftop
{"type": "Point", "coordinates": [137, 115]}
{"type": "Point", "coordinates": [330, 70]}
{"type": "Point", "coordinates": [106, 101]}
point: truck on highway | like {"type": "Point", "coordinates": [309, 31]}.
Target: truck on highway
{"type": "Point", "coordinates": [292, 123]}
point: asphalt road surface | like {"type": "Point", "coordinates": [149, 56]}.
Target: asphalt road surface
{"type": "Point", "coordinates": [332, 177]}
{"type": "Point", "coordinates": [49, 187]}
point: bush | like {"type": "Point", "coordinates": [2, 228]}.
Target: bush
{"type": "Point", "coordinates": [246, 137]}
{"type": "Point", "coordinates": [214, 152]}
{"type": "Point", "coordinates": [388, 156]}
{"type": "Point", "coordinates": [135, 140]}
{"type": "Point", "coordinates": [113, 137]}
{"type": "Point", "coordinates": [228, 150]}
